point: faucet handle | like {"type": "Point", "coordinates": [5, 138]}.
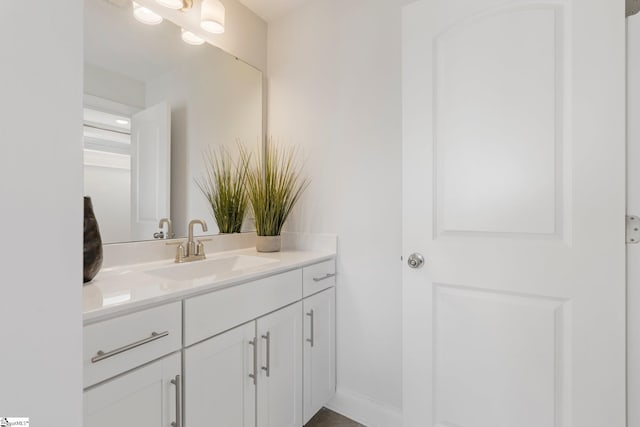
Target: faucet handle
{"type": "Point", "coordinates": [179, 250]}
{"type": "Point", "coordinates": [180, 253]}
{"type": "Point", "coordinates": [200, 249]}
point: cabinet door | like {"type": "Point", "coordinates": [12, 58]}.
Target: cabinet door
{"type": "Point", "coordinates": [218, 388]}
{"type": "Point", "coordinates": [319, 351]}
{"type": "Point", "coordinates": [145, 397]}
{"type": "Point", "coordinates": [280, 380]}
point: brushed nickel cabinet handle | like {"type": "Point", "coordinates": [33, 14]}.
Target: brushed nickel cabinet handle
{"type": "Point", "coordinates": [254, 376]}
{"type": "Point", "coordinates": [312, 339]}
{"type": "Point", "coordinates": [178, 384]}
{"type": "Point", "coordinates": [327, 276]}
{"type": "Point", "coordinates": [267, 368]}
{"type": "Point", "coordinates": [101, 355]}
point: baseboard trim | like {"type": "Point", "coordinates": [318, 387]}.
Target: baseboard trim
{"type": "Point", "coordinates": [365, 410]}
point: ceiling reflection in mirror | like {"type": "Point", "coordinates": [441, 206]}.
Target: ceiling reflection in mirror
{"type": "Point", "coordinates": [153, 105]}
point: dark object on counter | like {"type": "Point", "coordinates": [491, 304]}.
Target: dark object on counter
{"type": "Point", "coordinates": [92, 242]}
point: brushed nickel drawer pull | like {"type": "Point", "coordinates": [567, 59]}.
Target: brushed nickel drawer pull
{"type": "Point", "coordinates": [267, 368]}
{"type": "Point", "coordinates": [320, 279]}
{"type": "Point", "coordinates": [254, 375]}
{"type": "Point", "coordinates": [101, 355]}
{"type": "Point", "coordinates": [176, 381]}
{"type": "Point", "coordinates": [312, 339]}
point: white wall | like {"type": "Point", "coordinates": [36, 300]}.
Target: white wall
{"type": "Point", "coordinates": [106, 84]}
{"type": "Point", "coordinates": [335, 89]}
{"type": "Point", "coordinates": [215, 100]}
{"type": "Point", "coordinates": [110, 192]}
{"type": "Point", "coordinates": [41, 211]}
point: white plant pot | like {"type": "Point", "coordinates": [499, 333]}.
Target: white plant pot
{"type": "Point", "coordinates": [268, 243]}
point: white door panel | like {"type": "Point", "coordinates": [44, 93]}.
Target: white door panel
{"type": "Point", "coordinates": [150, 170]}
{"type": "Point", "coordinates": [514, 193]}
{"type": "Point", "coordinates": [483, 341]}
{"type": "Point", "coordinates": [482, 166]}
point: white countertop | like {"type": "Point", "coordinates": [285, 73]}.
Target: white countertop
{"type": "Point", "coordinates": [124, 289]}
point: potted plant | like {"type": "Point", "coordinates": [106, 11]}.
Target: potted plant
{"type": "Point", "coordinates": [225, 188]}
{"type": "Point", "coordinates": [274, 186]}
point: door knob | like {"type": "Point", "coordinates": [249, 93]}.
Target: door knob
{"type": "Point", "coordinates": [415, 260]}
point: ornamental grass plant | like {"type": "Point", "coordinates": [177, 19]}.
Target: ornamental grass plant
{"type": "Point", "coordinates": [224, 187]}
{"type": "Point", "coordinates": [274, 186]}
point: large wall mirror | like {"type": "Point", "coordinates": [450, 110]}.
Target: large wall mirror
{"type": "Point", "coordinates": [152, 106]}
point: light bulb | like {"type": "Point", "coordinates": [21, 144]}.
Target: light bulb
{"type": "Point", "coordinates": [171, 4]}
{"type": "Point", "coordinates": [212, 16]}
{"type": "Point", "coordinates": [146, 16]}
{"type": "Point", "coordinates": [190, 38]}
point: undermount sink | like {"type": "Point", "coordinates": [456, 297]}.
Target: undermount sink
{"type": "Point", "coordinates": [211, 267]}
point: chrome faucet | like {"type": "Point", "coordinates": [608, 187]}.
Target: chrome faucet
{"type": "Point", "coordinates": [161, 234]}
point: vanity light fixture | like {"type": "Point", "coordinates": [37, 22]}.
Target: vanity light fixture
{"type": "Point", "coordinates": [145, 15]}
{"type": "Point", "coordinates": [176, 4]}
{"type": "Point", "coordinates": [190, 38]}
{"type": "Point", "coordinates": [212, 16]}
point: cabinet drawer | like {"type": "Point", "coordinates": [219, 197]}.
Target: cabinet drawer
{"type": "Point", "coordinates": [118, 345]}
{"type": "Point", "coordinates": [143, 397]}
{"type": "Point", "coordinates": [210, 314]}
{"type": "Point", "coordinates": [318, 277]}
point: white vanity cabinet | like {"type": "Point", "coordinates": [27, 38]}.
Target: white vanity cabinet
{"type": "Point", "coordinates": [130, 375]}
{"type": "Point", "coordinates": [319, 351]}
{"type": "Point", "coordinates": [261, 360]}
{"type": "Point", "coordinates": [318, 277]}
{"type": "Point", "coordinates": [254, 354]}
{"type": "Point", "coordinates": [145, 397]}
{"type": "Point", "coordinates": [280, 368]}
{"type": "Point", "coordinates": [120, 344]}
{"type": "Point", "coordinates": [256, 365]}
{"type": "Point", "coordinates": [219, 389]}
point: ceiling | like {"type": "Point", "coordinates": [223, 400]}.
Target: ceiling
{"type": "Point", "coordinates": [270, 10]}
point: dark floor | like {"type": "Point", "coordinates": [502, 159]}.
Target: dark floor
{"type": "Point", "coordinates": [328, 418]}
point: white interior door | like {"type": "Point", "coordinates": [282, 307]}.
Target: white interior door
{"type": "Point", "coordinates": [150, 169]}
{"type": "Point", "coordinates": [514, 193]}
{"type": "Point", "coordinates": [633, 208]}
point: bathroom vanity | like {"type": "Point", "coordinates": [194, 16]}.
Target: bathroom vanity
{"type": "Point", "coordinates": [240, 339]}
